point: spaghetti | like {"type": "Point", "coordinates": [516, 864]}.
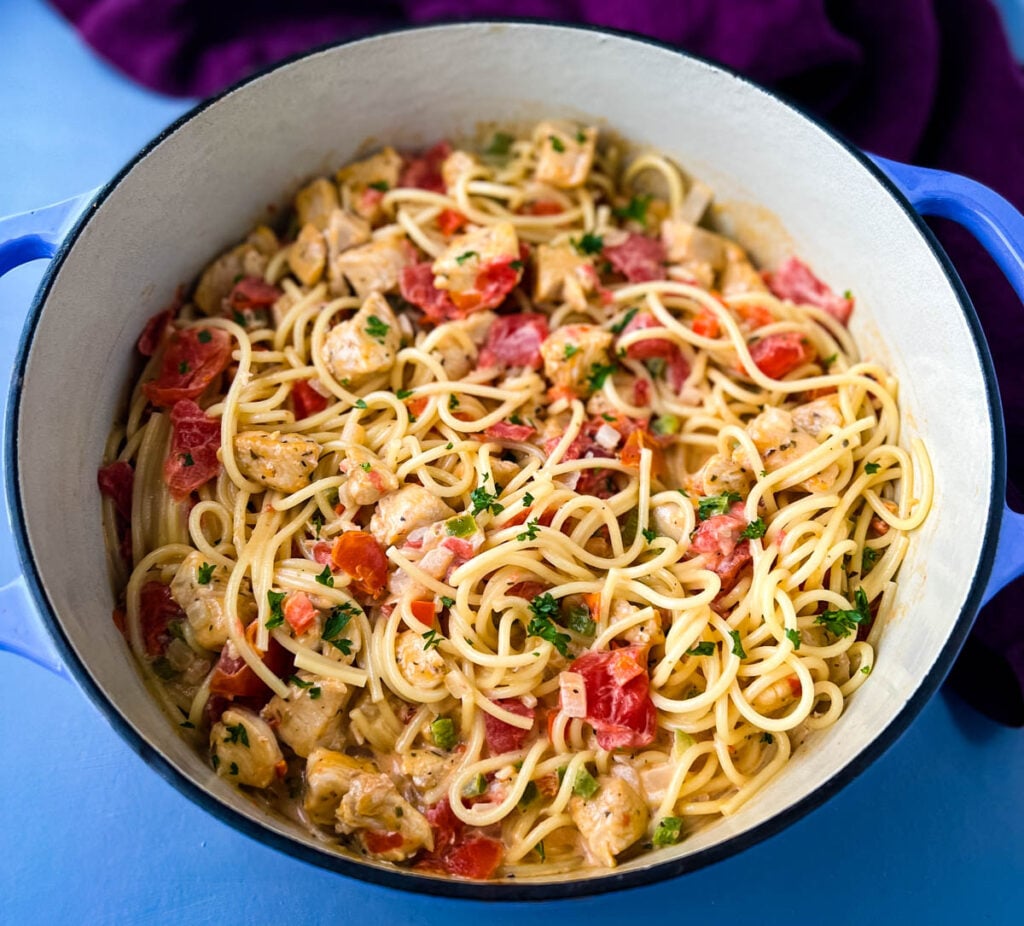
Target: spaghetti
{"type": "Point", "coordinates": [501, 519]}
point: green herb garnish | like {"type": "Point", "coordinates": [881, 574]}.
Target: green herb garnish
{"type": "Point", "coordinates": [754, 530]}
{"type": "Point", "coordinates": [588, 243]}
{"type": "Point", "coordinates": [737, 647]}
{"type": "Point", "coordinates": [636, 210]}
{"type": "Point", "coordinates": [620, 326]}
{"type": "Point", "coordinates": [532, 527]}
{"type": "Point", "coordinates": [326, 577]}
{"type": "Point", "coordinates": [377, 329]}
{"type": "Point", "coordinates": [237, 734]}
{"type": "Point", "coordinates": [843, 623]}
{"type": "Point", "coordinates": [276, 619]}
{"type": "Point", "coordinates": [794, 637]}
{"type": "Point", "coordinates": [466, 255]}
{"type": "Point", "coordinates": [597, 374]}
{"type": "Point", "coordinates": [712, 505]}
{"type": "Point", "coordinates": [204, 573]}
{"type": "Point", "coordinates": [704, 648]}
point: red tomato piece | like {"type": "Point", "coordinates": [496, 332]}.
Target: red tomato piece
{"type": "Point", "coordinates": [233, 678]}
{"type": "Point", "coordinates": [795, 281]}
{"type": "Point", "coordinates": [423, 611]}
{"type": "Point", "coordinates": [358, 554]}
{"type": "Point", "coordinates": [116, 481]}
{"type": "Point", "coordinates": [718, 538]}
{"type": "Point", "coordinates": [424, 171]}
{"type": "Point", "coordinates": [527, 590]}
{"type": "Point", "coordinates": [477, 857]}
{"type": "Point", "coordinates": [503, 430]}
{"type": "Point", "coordinates": [503, 737]}
{"type": "Point", "coordinates": [756, 316]}
{"type": "Point", "coordinates": [495, 280]}
{"type": "Point", "coordinates": [676, 367]}
{"type": "Point", "coordinates": [638, 440]}
{"type": "Point", "coordinates": [515, 340]}
{"type": "Point", "coordinates": [542, 207]}
{"type": "Point", "coordinates": [417, 286]}
{"type": "Point", "coordinates": [369, 200]}
{"type": "Point", "coordinates": [299, 612]}
{"type": "Point", "coordinates": [306, 400]}
{"type": "Point", "coordinates": [641, 392]}
{"type": "Point", "coordinates": [322, 552]}
{"type": "Point", "coordinates": [192, 458]}
{"type": "Point", "coordinates": [192, 359]}
{"type": "Point", "coordinates": [779, 354]}
{"type": "Point", "coordinates": [446, 826]}
{"type": "Point", "coordinates": [153, 333]}
{"type": "Point", "coordinates": [252, 293]}
{"type": "Point", "coordinates": [379, 843]}
{"type": "Point", "coordinates": [638, 258]}
{"type": "Point", "coordinates": [156, 610]}
{"type": "Point", "coordinates": [622, 714]}
{"type": "Point", "coordinates": [706, 324]}
{"type": "Point", "coordinates": [450, 221]}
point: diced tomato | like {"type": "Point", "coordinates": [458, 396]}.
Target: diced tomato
{"type": "Point", "coordinates": [463, 549]}
{"type": "Point", "coordinates": [779, 354]}
{"type": "Point", "coordinates": [503, 737]}
{"type": "Point", "coordinates": [192, 359]}
{"type": "Point", "coordinates": [358, 554]}
{"type": "Point", "coordinates": [116, 481]}
{"type": "Point", "coordinates": [542, 207]}
{"type": "Point", "coordinates": [306, 400]}
{"type": "Point", "coordinates": [233, 678]}
{"type": "Point", "coordinates": [528, 590]}
{"type": "Point", "coordinates": [495, 280]}
{"type": "Point", "coordinates": [477, 857]}
{"type": "Point", "coordinates": [251, 293]}
{"type": "Point", "coordinates": [706, 324]}
{"type": "Point", "coordinates": [322, 552]}
{"type": "Point", "coordinates": [369, 200]}
{"type": "Point", "coordinates": [450, 221]}
{"type": "Point", "coordinates": [153, 333]}
{"type": "Point", "coordinates": [641, 392]}
{"type": "Point", "coordinates": [157, 608]}
{"type": "Point", "coordinates": [638, 258]}
{"type": "Point", "coordinates": [379, 843]}
{"type": "Point", "coordinates": [515, 340]}
{"type": "Point", "coordinates": [503, 430]}
{"type": "Point", "coordinates": [192, 457]}
{"type": "Point", "coordinates": [718, 538]}
{"type": "Point", "coordinates": [676, 367]}
{"type": "Point", "coordinates": [593, 601]}
{"type": "Point", "coordinates": [299, 612]}
{"type": "Point", "coordinates": [756, 316]}
{"type": "Point", "coordinates": [424, 171]}
{"type": "Point", "coordinates": [417, 286]}
{"type": "Point", "coordinates": [795, 281]}
{"type": "Point", "coordinates": [598, 482]}
{"type": "Point", "coordinates": [423, 611]}
{"type": "Point", "coordinates": [418, 405]}
{"type": "Point", "coordinates": [446, 826]}
{"type": "Point", "coordinates": [638, 440]}
{"type": "Point", "coordinates": [621, 713]}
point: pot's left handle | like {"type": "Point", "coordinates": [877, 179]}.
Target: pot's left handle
{"type": "Point", "coordinates": [25, 237]}
{"type": "Point", "coordinates": [999, 228]}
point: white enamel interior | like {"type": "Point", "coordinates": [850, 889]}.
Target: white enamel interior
{"type": "Point", "coordinates": [202, 187]}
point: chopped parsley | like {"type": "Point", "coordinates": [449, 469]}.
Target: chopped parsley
{"type": "Point", "coordinates": [868, 558]}
{"type": "Point", "coordinates": [186, 460]}
{"type": "Point", "coordinates": [516, 265]}
{"type": "Point", "coordinates": [233, 768]}
{"type": "Point", "coordinates": [530, 793]}
{"type": "Point", "coordinates": [431, 640]}
{"type": "Point", "coordinates": [585, 784]}
{"type": "Point", "coordinates": [237, 734]}
{"type": "Point", "coordinates": [712, 505]}
{"type": "Point", "coordinates": [442, 731]}
{"type": "Point", "coordinates": [187, 724]}
{"type": "Point", "coordinates": [539, 849]}
{"type": "Point", "coordinates": [794, 637]}
{"type": "Point", "coordinates": [704, 648]}
{"type": "Point", "coordinates": [466, 255]}
{"type": "Point", "coordinates": [377, 329]}
{"type": "Point", "coordinates": [754, 530]}
{"type": "Point", "coordinates": [314, 693]}
{"type": "Point", "coordinates": [447, 602]}
{"type": "Point", "coordinates": [581, 136]}
{"type": "Point", "coordinates": [403, 394]}
{"type": "Point", "coordinates": [571, 350]}
{"type": "Point", "coordinates": [532, 527]}
{"type": "Point", "coordinates": [668, 831]}
{"type": "Point", "coordinates": [650, 534]}
{"type": "Point", "coordinates": [737, 647]}
{"type": "Point", "coordinates": [183, 367]}
{"type": "Point", "coordinates": [597, 374]}
{"type": "Point", "coordinates": [830, 359]}
{"type": "Point", "coordinates": [544, 609]}
{"type": "Point", "coordinates": [215, 761]}
{"type": "Point", "coordinates": [326, 577]}
{"type": "Point", "coordinates": [557, 143]}
{"type": "Point", "coordinates": [527, 499]}
{"type": "Point", "coordinates": [579, 621]}
{"type": "Point", "coordinates": [204, 336]}
{"type": "Point", "coordinates": [588, 243]}
{"type": "Point", "coordinates": [485, 501]}
{"type": "Point", "coordinates": [843, 623]}
{"type": "Point", "coordinates": [767, 738]}
{"type": "Point", "coordinates": [381, 185]}
{"type": "Point", "coordinates": [318, 521]}
{"type": "Point", "coordinates": [366, 467]}
{"type": "Point", "coordinates": [204, 573]}
{"type": "Point", "coordinates": [335, 624]}
{"type": "Point", "coordinates": [871, 468]}
{"type": "Point", "coordinates": [360, 403]}
{"type": "Point", "coordinates": [453, 401]}
{"type": "Point", "coordinates": [298, 682]}
{"type": "Point", "coordinates": [276, 619]}
{"type": "Point", "coordinates": [620, 326]}
{"type": "Point", "coordinates": [865, 670]}
{"type": "Point", "coordinates": [501, 144]}
{"type": "Point", "coordinates": [636, 210]}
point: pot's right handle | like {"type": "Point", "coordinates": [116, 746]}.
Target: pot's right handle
{"type": "Point", "coordinates": [999, 228]}
{"type": "Point", "coordinates": [25, 237]}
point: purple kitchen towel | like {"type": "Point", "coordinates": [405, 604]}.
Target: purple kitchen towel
{"type": "Point", "coordinates": [932, 82]}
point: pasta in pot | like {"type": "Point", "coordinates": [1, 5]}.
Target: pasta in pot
{"type": "Point", "coordinates": [499, 518]}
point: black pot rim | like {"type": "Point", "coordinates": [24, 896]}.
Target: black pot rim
{"type": "Point", "coordinates": [504, 891]}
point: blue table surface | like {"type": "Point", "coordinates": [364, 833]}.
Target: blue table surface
{"type": "Point", "coordinates": [933, 832]}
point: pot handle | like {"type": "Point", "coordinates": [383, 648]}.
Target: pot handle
{"type": "Point", "coordinates": [999, 228]}
{"type": "Point", "coordinates": [25, 237]}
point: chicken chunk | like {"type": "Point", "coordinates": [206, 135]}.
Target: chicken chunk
{"type": "Point", "coordinates": [571, 352]}
{"type": "Point", "coordinates": [469, 256]}
{"type": "Point", "coordinates": [425, 769]}
{"type": "Point", "coordinates": [401, 512]}
{"type": "Point", "coordinates": [284, 462]}
{"type": "Point", "coordinates": [249, 258]}
{"type": "Point", "coordinates": [307, 256]}
{"type": "Point", "coordinates": [610, 821]}
{"type": "Point", "coordinates": [819, 415]}
{"type": "Point", "coordinates": [203, 602]}
{"type": "Point", "coordinates": [381, 168]}
{"type": "Point", "coordinates": [374, 267]}
{"type": "Point", "coordinates": [565, 153]}
{"type": "Point", "coordinates": [457, 165]}
{"type": "Point", "coordinates": [364, 344]}
{"type": "Point", "coordinates": [304, 720]}
{"type": "Point", "coordinates": [646, 633]}
{"type": "Point", "coordinates": [329, 775]}
{"type": "Point", "coordinates": [701, 252]}
{"type": "Point", "coordinates": [780, 442]}
{"type": "Point", "coordinates": [739, 274]}
{"type": "Point", "coordinates": [419, 666]}
{"type": "Point", "coordinates": [562, 275]}
{"type": "Point", "coordinates": [373, 808]}
{"type": "Point", "coordinates": [243, 749]}
{"type": "Point", "coordinates": [368, 478]}
{"type": "Point", "coordinates": [343, 231]}
{"type": "Point", "coordinates": [315, 202]}
{"type": "Point", "coordinates": [672, 520]}
{"type": "Point", "coordinates": [778, 695]}
{"type": "Point", "coordinates": [721, 473]}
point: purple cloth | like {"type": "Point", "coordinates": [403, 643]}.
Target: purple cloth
{"type": "Point", "coordinates": [926, 81]}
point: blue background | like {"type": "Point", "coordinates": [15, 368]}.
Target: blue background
{"type": "Point", "coordinates": [933, 832]}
